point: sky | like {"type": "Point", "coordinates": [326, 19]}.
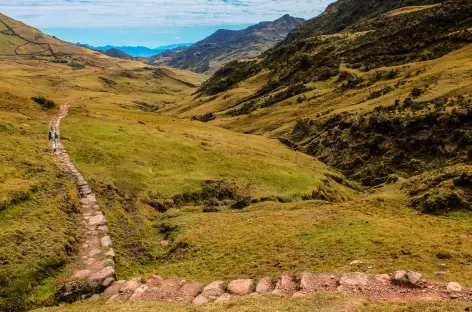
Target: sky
{"type": "Point", "coordinates": [150, 23]}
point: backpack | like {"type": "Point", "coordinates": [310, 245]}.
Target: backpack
{"type": "Point", "coordinates": [52, 135]}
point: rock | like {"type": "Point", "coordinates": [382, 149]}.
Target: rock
{"type": "Point", "coordinates": [95, 297]}
{"type": "Point", "coordinates": [213, 290]}
{"type": "Point", "coordinates": [286, 286]}
{"type": "Point", "coordinates": [103, 228]}
{"type": "Point", "coordinates": [80, 274]}
{"type": "Point", "coordinates": [164, 243]}
{"type": "Point", "coordinates": [130, 286]}
{"type": "Point", "coordinates": [108, 282]}
{"type": "Point", "coordinates": [105, 241]}
{"type": "Point", "coordinates": [97, 220]}
{"type": "Point", "coordinates": [354, 279]}
{"type": "Point", "coordinates": [110, 253]}
{"type": "Point", "coordinates": [383, 278]}
{"type": "Point", "coordinates": [100, 276]}
{"type": "Point", "coordinates": [441, 265]}
{"type": "Point", "coordinates": [73, 291]}
{"type": "Point", "coordinates": [314, 282]}
{"type": "Point", "coordinates": [264, 285]}
{"type": "Point", "coordinates": [188, 292]}
{"type": "Point", "coordinates": [355, 262]}
{"type": "Point", "coordinates": [200, 300]}
{"type": "Point", "coordinates": [94, 252]}
{"type": "Point", "coordinates": [224, 297]}
{"type": "Point", "coordinates": [454, 287]}
{"type": "Point", "coordinates": [109, 262]}
{"type": "Point", "coordinates": [241, 287]}
{"type": "Point", "coordinates": [137, 294]}
{"type": "Point", "coordinates": [115, 287]}
{"type": "Point", "coordinates": [400, 276]}
{"type": "Point", "coordinates": [414, 277]}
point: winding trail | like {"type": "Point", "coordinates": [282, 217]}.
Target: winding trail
{"type": "Point", "coordinates": [96, 266]}
{"type": "Point", "coordinates": [96, 261]}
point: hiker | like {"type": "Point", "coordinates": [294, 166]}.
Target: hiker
{"type": "Point", "coordinates": [53, 138]}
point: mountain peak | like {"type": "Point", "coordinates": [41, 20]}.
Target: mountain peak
{"type": "Point", "coordinates": [224, 45]}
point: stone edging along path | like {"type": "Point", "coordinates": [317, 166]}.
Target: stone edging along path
{"type": "Point", "coordinates": [96, 268]}
{"type": "Point", "coordinates": [95, 271]}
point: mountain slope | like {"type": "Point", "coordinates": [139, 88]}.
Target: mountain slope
{"type": "Point", "coordinates": [357, 62]}
{"type": "Point", "coordinates": [223, 46]}
{"type": "Point", "coordinates": [113, 52]}
{"type": "Point", "coordinates": [18, 40]}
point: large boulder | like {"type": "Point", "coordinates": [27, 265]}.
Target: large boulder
{"type": "Point", "coordinates": [241, 287]}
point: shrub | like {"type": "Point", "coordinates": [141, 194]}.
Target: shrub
{"type": "Point", "coordinates": [205, 118]}
{"type": "Point", "coordinates": [44, 102]}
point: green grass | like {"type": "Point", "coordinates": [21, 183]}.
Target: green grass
{"type": "Point", "coordinates": [126, 160]}
{"type": "Point", "coordinates": [269, 238]}
{"type": "Point", "coordinates": [37, 204]}
{"type": "Point", "coordinates": [322, 302]}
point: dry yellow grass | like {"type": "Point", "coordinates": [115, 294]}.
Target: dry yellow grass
{"type": "Point", "coordinates": [411, 9]}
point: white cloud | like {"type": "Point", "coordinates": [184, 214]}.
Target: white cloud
{"type": "Point", "coordinates": [154, 13]}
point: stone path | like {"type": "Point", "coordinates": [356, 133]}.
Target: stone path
{"type": "Point", "coordinates": [95, 269]}
{"type": "Point", "coordinates": [401, 286]}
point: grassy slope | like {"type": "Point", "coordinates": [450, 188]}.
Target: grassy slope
{"type": "Point", "coordinates": [38, 226]}
{"type": "Point", "coordinates": [445, 76]}
{"type": "Point", "coordinates": [168, 157]}
{"type": "Point", "coordinates": [37, 208]}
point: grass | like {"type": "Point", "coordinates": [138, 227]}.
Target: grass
{"type": "Point", "coordinates": [128, 161]}
{"type": "Point", "coordinates": [319, 302]}
{"type": "Point", "coordinates": [38, 229]}
{"type": "Point", "coordinates": [267, 239]}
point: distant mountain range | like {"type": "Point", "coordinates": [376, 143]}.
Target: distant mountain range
{"type": "Point", "coordinates": [137, 51]}
{"type": "Point", "coordinates": [224, 46]}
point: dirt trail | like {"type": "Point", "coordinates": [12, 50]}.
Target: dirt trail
{"type": "Point", "coordinates": [95, 269]}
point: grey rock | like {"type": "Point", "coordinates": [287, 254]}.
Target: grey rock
{"type": "Point", "coordinates": [241, 287]}
{"type": "Point", "coordinates": [213, 290]}
{"type": "Point", "coordinates": [354, 279]}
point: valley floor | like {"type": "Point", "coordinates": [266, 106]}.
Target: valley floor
{"type": "Point", "coordinates": [188, 199]}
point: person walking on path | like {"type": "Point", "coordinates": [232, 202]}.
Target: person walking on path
{"type": "Point", "coordinates": [53, 138]}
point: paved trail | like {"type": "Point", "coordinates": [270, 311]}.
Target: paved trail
{"type": "Point", "coordinates": [96, 262]}
{"type": "Point", "coordinates": [96, 265]}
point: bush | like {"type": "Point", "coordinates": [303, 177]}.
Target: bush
{"type": "Point", "coordinates": [242, 202]}
{"type": "Point", "coordinates": [205, 118]}
{"type": "Point", "coordinates": [44, 102]}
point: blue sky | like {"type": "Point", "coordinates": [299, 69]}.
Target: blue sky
{"type": "Point", "coordinates": [150, 22]}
